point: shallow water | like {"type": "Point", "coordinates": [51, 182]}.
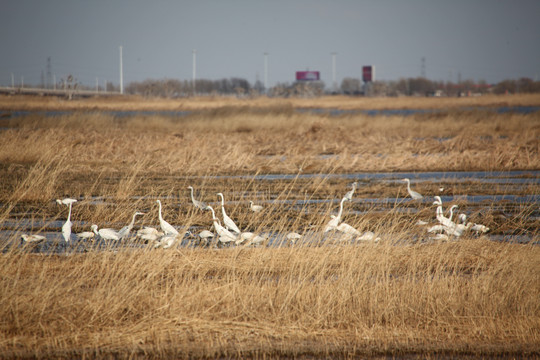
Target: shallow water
{"type": "Point", "coordinates": [508, 206]}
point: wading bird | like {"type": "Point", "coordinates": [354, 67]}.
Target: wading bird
{"type": "Point", "coordinates": [106, 234]}
{"type": "Point", "coordinates": [229, 223]}
{"type": "Point", "coordinates": [165, 226]}
{"type": "Point", "coordinates": [32, 238]}
{"type": "Point", "coordinates": [225, 236]}
{"type": "Point", "coordinates": [350, 193]}
{"type": "Point", "coordinates": [412, 193]}
{"type": "Point", "coordinates": [255, 208]}
{"type": "Point", "coordinates": [85, 235]}
{"type": "Point", "coordinates": [332, 224]}
{"type": "Point", "coordinates": [124, 232]}
{"type": "Point", "coordinates": [66, 228]}
{"type": "Point", "coordinates": [198, 204]}
{"type": "Point", "coordinates": [66, 201]}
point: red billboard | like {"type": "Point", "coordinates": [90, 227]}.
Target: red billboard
{"type": "Point", "coordinates": [307, 76]}
{"type": "Point", "coordinates": [368, 73]}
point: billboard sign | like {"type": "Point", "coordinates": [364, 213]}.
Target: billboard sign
{"type": "Point", "coordinates": [307, 76]}
{"type": "Point", "coordinates": [368, 73]}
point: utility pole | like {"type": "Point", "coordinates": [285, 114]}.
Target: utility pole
{"type": "Point", "coordinates": [49, 73]}
{"type": "Point", "coordinates": [423, 67]}
{"type": "Point", "coordinates": [194, 70]}
{"type": "Point", "coordinates": [334, 82]}
{"type": "Point", "coordinates": [265, 72]}
{"type": "Point", "coordinates": [121, 73]}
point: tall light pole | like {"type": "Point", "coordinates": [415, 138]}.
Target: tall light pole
{"type": "Point", "coordinates": [194, 69]}
{"type": "Point", "coordinates": [334, 82]}
{"type": "Point", "coordinates": [121, 73]}
{"type": "Point", "coordinates": [265, 72]}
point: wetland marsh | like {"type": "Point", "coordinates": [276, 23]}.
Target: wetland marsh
{"type": "Point", "coordinates": [405, 295]}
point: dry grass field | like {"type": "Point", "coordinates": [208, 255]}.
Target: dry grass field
{"type": "Point", "coordinates": [398, 297]}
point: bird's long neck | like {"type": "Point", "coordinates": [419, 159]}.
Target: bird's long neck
{"type": "Point", "coordinates": [69, 214]}
{"type": "Point", "coordinates": [408, 185]}
{"type": "Point", "coordinates": [192, 198]}
{"type": "Point", "coordinates": [160, 217]}
{"type": "Point", "coordinates": [340, 209]}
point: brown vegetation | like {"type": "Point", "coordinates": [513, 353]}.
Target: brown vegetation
{"type": "Point", "coordinates": [396, 297]}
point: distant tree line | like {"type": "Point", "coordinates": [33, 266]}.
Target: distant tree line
{"type": "Point", "coordinates": [172, 88]}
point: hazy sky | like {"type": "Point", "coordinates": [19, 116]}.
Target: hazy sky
{"type": "Point", "coordinates": [475, 39]}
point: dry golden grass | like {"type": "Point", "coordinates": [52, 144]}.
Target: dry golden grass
{"type": "Point", "coordinates": [393, 298]}
{"type": "Point", "coordinates": [23, 102]}
{"type": "Point", "coordinates": [472, 297]}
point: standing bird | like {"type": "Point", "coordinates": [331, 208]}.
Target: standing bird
{"type": "Point", "coordinates": [106, 234]}
{"type": "Point", "coordinates": [66, 228]}
{"type": "Point", "coordinates": [165, 226]}
{"type": "Point", "coordinates": [198, 204]}
{"type": "Point", "coordinates": [225, 236]}
{"type": "Point", "coordinates": [124, 232]}
{"type": "Point", "coordinates": [255, 208]}
{"type": "Point", "coordinates": [412, 193]}
{"type": "Point", "coordinates": [332, 224]}
{"type": "Point", "coordinates": [229, 223]}
{"type": "Point", "coordinates": [350, 193]}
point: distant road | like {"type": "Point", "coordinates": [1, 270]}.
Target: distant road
{"type": "Point", "coordinates": [55, 92]}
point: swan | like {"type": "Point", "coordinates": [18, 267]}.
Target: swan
{"type": "Point", "coordinates": [32, 238]}
{"type": "Point", "coordinates": [255, 208]}
{"type": "Point", "coordinates": [124, 232]}
{"type": "Point", "coordinates": [224, 234]}
{"type": "Point", "coordinates": [165, 226]}
{"type": "Point", "coordinates": [66, 228]}
{"type": "Point", "coordinates": [198, 204]}
{"type": "Point", "coordinates": [412, 193]}
{"type": "Point", "coordinates": [106, 234]}
{"type": "Point", "coordinates": [229, 223]}
{"type": "Point", "coordinates": [332, 224]}
{"type": "Point", "coordinates": [350, 193]}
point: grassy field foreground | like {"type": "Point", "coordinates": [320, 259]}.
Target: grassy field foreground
{"type": "Point", "coordinates": [468, 298]}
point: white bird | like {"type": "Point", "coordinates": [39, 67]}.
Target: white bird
{"type": "Point", "coordinates": [66, 228]}
{"type": "Point", "coordinates": [229, 223]}
{"type": "Point", "coordinates": [66, 201]}
{"type": "Point", "coordinates": [252, 239]}
{"type": "Point", "coordinates": [165, 226]}
{"type": "Point", "coordinates": [85, 235]}
{"type": "Point", "coordinates": [147, 230]}
{"type": "Point", "coordinates": [412, 193]}
{"type": "Point", "coordinates": [368, 236]}
{"type": "Point", "coordinates": [348, 229]}
{"type": "Point", "coordinates": [206, 235]}
{"type": "Point", "coordinates": [32, 238]}
{"type": "Point", "coordinates": [350, 193]}
{"type": "Point", "coordinates": [293, 236]}
{"type": "Point", "coordinates": [479, 228]}
{"type": "Point", "coordinates": [106, 234]}
{"type": "Point", "coordinates": [255, 208]}
{"type": "Point", "coordinates": [169, 240]}
{"type": "Point", "coordinates": [149, 234]}
{"type": "Point", "coordinates": [332, 224]}
{"type": "Point", "coordinates": [198, 204]}
{"type": "Point", "coordinates": [224, 234]}
{"type": "Point", "coordinates": [124, 232]}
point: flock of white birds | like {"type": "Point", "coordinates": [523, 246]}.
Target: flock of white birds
{"type": "Point", "coordinates": [228, 233]}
